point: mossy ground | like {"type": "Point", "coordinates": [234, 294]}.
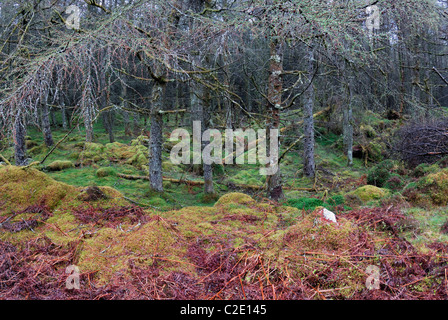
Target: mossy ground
{"type": "Point", "coordinates": [285, 238]}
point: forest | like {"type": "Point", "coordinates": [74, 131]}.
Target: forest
{"type": "Point", "coordinates": [224, 150]}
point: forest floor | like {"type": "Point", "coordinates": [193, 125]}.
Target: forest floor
{"type": "Point", "coordinates": [78, 208]}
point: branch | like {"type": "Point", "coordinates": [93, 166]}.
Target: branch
{"type": "Point", "coordinates": [440, 75]}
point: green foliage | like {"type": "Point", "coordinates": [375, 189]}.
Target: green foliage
{"type": "Point", "coordinates": [380, 173]}
{"type": "Point", "coordinates": [336, 200]}
{"type": "Point", "coordinates": [306, 203]}
{"type": "Point", "coordinates": [395, 182]}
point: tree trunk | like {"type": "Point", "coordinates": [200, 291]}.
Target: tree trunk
{"type": "Point", "coordinates": [46, 128]}
{"type": "Point", "coordinates": [275, 88]}
{"type": "Point", "coordinates": [63, 112]}
{"type": "Point", "coordinates": [199, 98]}
{"type": "Point", "coordinates": [156, 138]}
{"type": "Point", "coordinates": [308, 152]}
{"type": "Point", "coordinates": [19, 132]}
{"type": "Point", "coordinates": [126, 117]}
{"type": "Point", "coordinates": [348, 120]}
{"type": "Point", "coordinates": [88, 122]}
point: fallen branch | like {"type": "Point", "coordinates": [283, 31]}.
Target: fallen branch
{"type": "Point", "coordinates": [57, 144]}
{"type": "Point", "coordinates": [4, 160]}
{"type": "Point", "coordinates": [200, 183]}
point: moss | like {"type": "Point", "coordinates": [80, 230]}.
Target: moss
{"type": "Point", "coordinates": [167, 166]}
{"type": "Point", "coordinates": [60, 165]}
{"type": "Point", "coordinates": [368, 192]}
{"type": "Point", "coordinates": [207, 197]}
{"type": "Point", "coordinates": [424, 169]}
{"type": "Point", "coordinates": [30, 144]}
{"type": "Point", "coordinates": [336, 200]}
{"type": "Point", "coordinates": [306, 203]}
{"type": "Point", "coordinates": [104, 172]}
{"type": "Point", "coordinates": [24, 187]}
{"type": "Point", "coordinates": [368, 131]}
{"type": "Point", "coordinates": [234, 198]}
{"type": "Point", "coordinates": [111, 251]}
{"type": "Point", "coordinates": [158, 202]}
{"type": "Point", "coordinates": [37, 150]}
{"type": "Point", "coordinates": [246, 177]}
{"type": "Point", "coordinates": [436, 186]}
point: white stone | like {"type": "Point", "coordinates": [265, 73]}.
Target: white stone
{"type": "Point", "coordinates": [329, 215]}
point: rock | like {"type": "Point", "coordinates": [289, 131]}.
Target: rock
{"type": "Point", "coordinates": [368, 192]}
{"type": "Point", "coordinates": [329, 215]}
{"type": "Point", "coordinates": [326, 215]}
{"type": "Point", "coordinates": [91, 194]}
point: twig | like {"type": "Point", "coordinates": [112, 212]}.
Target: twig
{"type": "Point", "coordinates": [57, 144]}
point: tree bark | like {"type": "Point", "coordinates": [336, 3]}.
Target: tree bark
{"type": "Point", "coordinates": [46, 128]}
{"type": "Point", "coordinates": [19, 132]}
{"type": "Point", "coordinates": [348, 120]}
{"type": "Point", "coordinates": [156, 138]}
{"type": "Point", "coordinates": [308, 152]}
{"type": "Point", "coordinates": [275, 89]}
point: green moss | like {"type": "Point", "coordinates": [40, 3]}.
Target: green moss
{"type": "Point", "coordinates": [368, 131]}
{"type": "Point", "coordinates": [60, 165]}
{"type": "Point", "coordinates": [436, 186]}
{"type": "Point", "coordinates": [104, 172]}
{"type": "Point", "coordinates": [234, 198]}
{"type": "Point", "coordinates": [368, 192]}
{"type": "Point", "coordinates": [306, 203]}
{"type": "Point", "coordinates": [336, 200]}
{"type": "Point", "coordinates": [111, 250]}
{"type": "Point", "coordinates": [23, 187]}
{"type": "Point", "coordinates": [207, 197]}
{"type": "Point", "coordinates": [158, 202]}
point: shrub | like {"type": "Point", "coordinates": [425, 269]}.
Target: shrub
{"type": "Point", "coordinates": [394, 183]}
{"type": "Point", "coordinates": [336, 200]}
{"type": "Point", "coordinates": [379, 174]}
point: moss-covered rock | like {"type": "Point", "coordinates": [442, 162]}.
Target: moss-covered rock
{"type": "Point", "coordinates": [104, 172]}
{"type": "Point", "coordinates": [368, 193]}
{"type": "Point", "coordinates": [23, 187]}
{"type": "Point", "coordinates": [60, 165]}
{"type": "Point", "coordinates": [234, 198]}
{"type": "Point", "coordinates": [436, 186]}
